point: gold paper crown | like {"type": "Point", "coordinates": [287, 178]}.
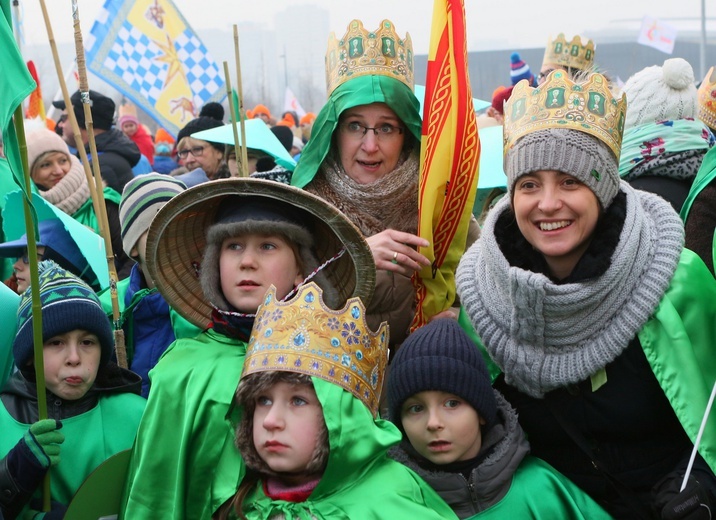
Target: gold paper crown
{"type": "Point", "coordinates": [587, 107]}
{"type": "Point", "coordinates": [303, 335]}
{"type": "Point", "coordinates": [572, 54]}
{"type": "Point", "coordinates": [364, 53]}
{"type": "Point", "coordinates": [707, 99]}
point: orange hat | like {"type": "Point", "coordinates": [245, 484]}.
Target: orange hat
{"type": "Point", "coordinates": [308, 118]}
{"type": "Point", "coordinates": [286, 121]}
{"type": "Point", "coordinates": [261, 109]}
{"type": "Point", "coordinates": [163, 136]}
{"type": "Point", "coordinates": [249, 114]}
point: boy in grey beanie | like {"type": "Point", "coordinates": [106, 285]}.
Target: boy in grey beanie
{"type": "Point", "coordinates": [462, 437]}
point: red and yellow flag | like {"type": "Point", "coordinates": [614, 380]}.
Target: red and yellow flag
{"type": "Point", "coordinates": [35, 106]}
{"type": "Point", "coordinates": [449, 157]}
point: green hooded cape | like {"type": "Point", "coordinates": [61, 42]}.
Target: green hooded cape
{"type": "Point", "coordinates": [360, 481]}
{"type": "Point", "coordinates": [363, 90]}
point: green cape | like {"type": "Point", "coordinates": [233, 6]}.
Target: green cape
{"type": "Point", "coordinates": [360, 481]}
{"type": "Point", "coordinates": [363, 90]}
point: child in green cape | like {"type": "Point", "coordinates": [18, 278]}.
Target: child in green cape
{"type": "Point", "coordinates": [309, 432]}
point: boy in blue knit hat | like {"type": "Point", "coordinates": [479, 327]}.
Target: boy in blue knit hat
{"type": "Point", "coordinates": [519, 70]}
{"type": "Point", "coordinates": [92, 404]}
{"type": "Point", "coordinates": [462, 437]}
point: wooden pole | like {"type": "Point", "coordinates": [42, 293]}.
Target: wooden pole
{"type": "Point", "coordinates": [240, 95]}
{"type": "Point", "coordinates": [232, 118]}
{"type": "Point", "coordinates": [119, 345]}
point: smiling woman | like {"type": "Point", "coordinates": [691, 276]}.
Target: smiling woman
{"type": "Point", "coordinates": [567, 289]}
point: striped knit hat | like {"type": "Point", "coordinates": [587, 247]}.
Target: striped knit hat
{"type": "Point", "coordinates": [68, 303]}
{"type": "Point", "coordinates": [519, 70]}
{"type": "Point", "coordinates": [142, 198]}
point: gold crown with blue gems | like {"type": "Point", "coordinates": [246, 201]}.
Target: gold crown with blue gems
{"type": "Point", "coordinates": [363, 53]}
{"type": "Point", "coordinates": [573, 54]}
{"type": "Point", "coordinates": [587, 106]}
{"type": "Point", "coordinates": [303, 335]}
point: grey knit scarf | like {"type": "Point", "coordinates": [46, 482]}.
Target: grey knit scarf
{"type": "Point", "coordinates": [545, 335]}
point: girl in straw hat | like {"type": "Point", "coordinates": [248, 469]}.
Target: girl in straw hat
{"type": "Point", "coordinates": [213, 251]}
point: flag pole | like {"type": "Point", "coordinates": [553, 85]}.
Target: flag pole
{"type": "Point", "coordinates": [39, 360]}
{"type": "Point", "coordinates": [698, 438]}
{"type": "Point", "coordinates": [232, 117]}
{"type": "Point", "coordinates": [240, 94]}
{"type": "Point", "coordinates": [119, 346]}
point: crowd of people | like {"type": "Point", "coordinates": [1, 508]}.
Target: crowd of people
{"type": "Point", "coordinates": [271, 368]}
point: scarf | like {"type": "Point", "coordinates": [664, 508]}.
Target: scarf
{"type": "Point", "coordinates": [232, 326]}
{"type": "Point", "coordinates": [646, 149]}
{"type": "Point", "coordinates": [72, 191]}
{"type": "Point", "coordinates": [390, 202]}
{"type": "Point", "coordinates": [544, 335]}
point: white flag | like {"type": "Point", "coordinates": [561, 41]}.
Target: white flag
{"type": "Point", "coordinates": [657, 34]}
{"type": "Point", "coordinates": [290, 103]}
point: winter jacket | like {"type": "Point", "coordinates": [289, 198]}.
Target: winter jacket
{"type": "Point", "coordinates": [117, 155]}
{"type": "Point", "coordinates": [144, 142]}
{"type": "Point", "coordinates": [360, 481]}
{"type": "Point", "coordinates": [146, 319]}
{"type": "Point", "coordinates": [100, 424]}
{"type": "Point", "coordinates": [184, 462]}
{"type": "Point", "coordinates": [507, 483]}
{"type": "Point", "coordinates": [164, 164]}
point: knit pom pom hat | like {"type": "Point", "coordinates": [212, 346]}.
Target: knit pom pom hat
{"type": "Point", "coordinates": [519, 70]}
{"type": "Point", "coordinates": [142, 198]}
{"type": "Point", "coordinates": [440, 356]}
{"type": "Point", "coordinates": [68, 303]}
{"type": "Point", "coordinates": [197, 125]}
{"type": "Point", "coordinates": [162, 136]}
{"type": "Point", "coordinates": [569, 151]}
{"type": "Point", "coordinates": [661, 93]}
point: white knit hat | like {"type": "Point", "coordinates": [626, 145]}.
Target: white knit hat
{"type": "Point", "coordinates": [42, 141]}
{"type": "Point", "coordinates": [661, 93]}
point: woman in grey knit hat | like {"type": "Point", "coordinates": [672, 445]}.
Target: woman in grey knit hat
{"type": "Point", "coordinates": [596, 318]}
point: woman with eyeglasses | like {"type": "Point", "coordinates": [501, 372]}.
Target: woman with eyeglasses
{"type": "Point", "coordinates": [364, 156]}
{"type": "Point", "coordinates": [204, 156]}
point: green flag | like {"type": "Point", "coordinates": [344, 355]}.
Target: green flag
{"type": "Point", "coordinates": [15, 84]}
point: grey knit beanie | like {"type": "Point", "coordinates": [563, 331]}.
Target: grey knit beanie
{"type": "Point", "coordinates": [569, 151]}
{"type": "Point", "coordinates": [440, 356]}
{"type": "Point", "coordinates": [142, 198]}
{"type": "Point", "coordinates": [661, 93]}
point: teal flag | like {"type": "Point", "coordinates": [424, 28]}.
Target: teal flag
{"type": "Point", "coordinates": [15, 84]}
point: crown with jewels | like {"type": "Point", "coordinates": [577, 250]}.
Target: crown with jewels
{"type": "Point", "coordinates": [573, 54]}
{"type": "Point", "coordinates": [364, 53]}
{"type": "Point", "coordinates": [559, 102]}
{"type": "Point", "coordinates": [707, 99]}
{"type": "Point", "coordinates": [303, 335]}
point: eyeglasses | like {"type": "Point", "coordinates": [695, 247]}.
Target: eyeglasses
{"type": "Point", "coordinates": [543, 75]}
{"type": "Point", "coordinates": [383, 132]}
{"type": "Point", "coordinates": [196, 151]}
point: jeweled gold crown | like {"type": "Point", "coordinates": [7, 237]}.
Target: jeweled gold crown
{"type": "Point", "coordinates": [303, 335]}
{"type": "Point", "coordinates": [707, 99]}
{"type": "Point", "coordinates": [587, 107]}
{"type": "Point", "coordinates": [574, 54]}
{"type": "Point", "coordinates": [363, 53]}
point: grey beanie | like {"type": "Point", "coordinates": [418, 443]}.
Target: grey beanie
{"type": "Point", "coordinates": [569, 151]}
{"type": "Point", "coordinates": [440, 356]}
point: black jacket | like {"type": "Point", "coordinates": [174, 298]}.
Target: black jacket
{"type": "Point", "coordinates": [117, 156]}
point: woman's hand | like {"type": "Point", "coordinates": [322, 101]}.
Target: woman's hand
{"type": "Point", "coordinates": [396, 251]}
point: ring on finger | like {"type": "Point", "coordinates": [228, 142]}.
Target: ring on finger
{"type": "Point", "coordinates": [395, 258]}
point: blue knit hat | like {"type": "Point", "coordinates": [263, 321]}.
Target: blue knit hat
{"type": "Point", "coordinates": [68, 303]}
{"type": "Point", "coordinates": [520, 70]}
{"type": "Point", "coordinates": [440, 356]}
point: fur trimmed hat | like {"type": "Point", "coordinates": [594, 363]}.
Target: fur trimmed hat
{"type": "Point", "coordinates": [569, 151]}
{"type": "Point", "coordinates": [661, 93]}
{"type": "Point", "coordinates": [440, 356]}
{"type": "Point", "coordinates": [142, 198]}
{"type": "Point", "coordinates": [68, 303]}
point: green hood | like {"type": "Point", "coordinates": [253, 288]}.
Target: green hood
{"type": "Point", "coordinates": [363, 90]}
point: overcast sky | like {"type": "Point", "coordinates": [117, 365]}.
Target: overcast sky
{"type": "Point", "coordinates": [491, 24]}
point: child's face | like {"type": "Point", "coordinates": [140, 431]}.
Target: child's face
{"type": "Point", "coordinates": [442, 427]}
{"type": "Point", "coordinates": [71, 363]}
{"type": "Point", "coordinates": [288, 420]}
{"type": "Point", "coordinates": [249, 264]}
